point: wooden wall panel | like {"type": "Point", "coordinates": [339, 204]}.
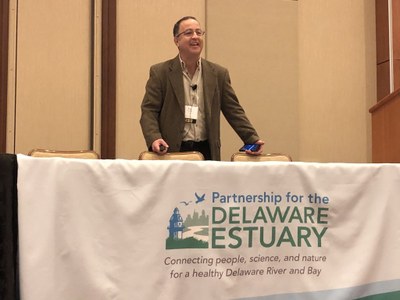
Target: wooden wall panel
{"type": "Point", "coordinates": [52, 93]}
{"type": "Point", "coordinates": [382, 31]}
{"type": "Point", "coordinates": [396, 73]}
{"type": "Point", "coordinates": [383, 79]}
{"type": "Point", "coordinates": [53, 75]}
{"type": "Point", "coordinates": [386, 129]}
{"type": "Point", "coordinates": [144, 38]}
{"type": "Point", "coordinates": [382, 48]}
{"type": "Point", "coordinates": [108, 78]}
{"type": "Point", "coordinates": [4, 8]}
{"type": "Point", "coordinates": [396, 42]}
{"type": "Point", "coordinates": [337, 82]}
{"type": "Point", "coordinates": [385, 113]}
{"type": "Point", "coordinates": [257, 41]}
{"type": "Point", "coordinates": [396, 28]}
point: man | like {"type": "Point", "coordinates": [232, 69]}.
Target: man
{"type": "Point", "coordinates": [184, 97]}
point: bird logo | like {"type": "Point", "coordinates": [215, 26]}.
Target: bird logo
{"type": "Point", "coordinates": [186, 203]}
{"type": "Point", "coordinates": [200, 198]}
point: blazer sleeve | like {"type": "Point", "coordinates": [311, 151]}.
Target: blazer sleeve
{"type": "Point", "coordinates": [234, 112]}
{"type": "Point", "coordinates": [151, 107]}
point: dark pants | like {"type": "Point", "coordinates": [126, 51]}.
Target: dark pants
{"type": "Point", "coordinates": [203, 147]}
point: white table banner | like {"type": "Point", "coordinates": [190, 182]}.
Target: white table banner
{"type": "Point", "coordinates": [120, 229]}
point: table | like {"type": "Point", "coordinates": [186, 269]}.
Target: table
{"type": "Point", "coordinates": [9, 289]}
{"type": "Point", "coordinates": [127, 229]}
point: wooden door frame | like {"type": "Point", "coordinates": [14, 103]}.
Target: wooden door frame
{"type": "Point", "coordinates": [108, 78]}
{"type": "Point", "coordinates": [4, 26]}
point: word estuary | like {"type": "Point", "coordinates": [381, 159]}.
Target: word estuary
{"type": "Point", "coordinates": [266, 237]}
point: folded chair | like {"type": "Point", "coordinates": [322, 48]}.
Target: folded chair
{"type": "Point", "coordinates": [189, 155]}
{"type": "Point", "coordinates": [242, 156]}
{"type": "Point", "coordinates": [89, 154]}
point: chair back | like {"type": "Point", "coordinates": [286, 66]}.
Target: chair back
{"type": "Point", "coordinates": [88, 154]}
{"type": "Point", "coordinates": [242, 156]}
{"type": "Point", "coordinates": [188, 155]}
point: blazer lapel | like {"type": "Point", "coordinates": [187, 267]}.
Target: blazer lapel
{"type": "Point", "coordinates": [175, 78]}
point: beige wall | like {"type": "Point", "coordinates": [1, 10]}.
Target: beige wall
{"type": "Point", "coordinates": [303, 70]}
{"type": "Point", "coordinates": [51, 75]}
{"type": "Point", "coordinates": [337, 82]}
{"type": "Point", "coordinates": [144, 37]}
{"type": "Point", "coordinates": [257, 41]}
{"type": "Point", "coordinates": [264, 76]}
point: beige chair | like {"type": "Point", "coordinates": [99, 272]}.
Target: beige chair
{"type": "Point", "coordinates": [88, 154]}
{"type": "Point", "coordinates": [241, 156]}
{"type": "Point", "coordinates": [189, 155]}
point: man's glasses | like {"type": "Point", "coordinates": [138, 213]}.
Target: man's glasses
{"type": "Point", "coordinates": [191, 32]}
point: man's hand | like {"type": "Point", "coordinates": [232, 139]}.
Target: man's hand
{"type": "Point", "coordinates": [159, 146]}
{"type": "Point", "coordinates": [259, 151]}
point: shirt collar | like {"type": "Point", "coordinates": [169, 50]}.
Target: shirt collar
{"type": "Point", "coordinates": [183, 65]}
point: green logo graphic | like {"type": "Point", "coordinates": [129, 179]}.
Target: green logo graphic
{"type": "Point", "coordinates": [190, 231]}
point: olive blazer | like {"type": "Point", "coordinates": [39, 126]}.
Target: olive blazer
{"type": "Point", "coordinates": [163, 106]}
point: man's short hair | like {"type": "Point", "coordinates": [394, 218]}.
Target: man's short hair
{"type": "Point", "coordinates": [175, 31]}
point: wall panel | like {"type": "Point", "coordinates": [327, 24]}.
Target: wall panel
{"type": "Point", "coordinates": [4, 24]}
{"type": "Point", "coordinates": [383, 80]}
{"type": "Point", "coordinates": [337, 82]}
{"type": "Point", "coordinates": [396, 43]}
{"type": "Point", "coordinates": [53, 75]}
{"type": "Point", "coordinates": [257, 40]}
{"type": "Point", "coordinates": [382, 30]}
{"type": "Point", "coordinates": [144, 37]}
{"type": "Point", "coordinates": [382, 48]}
{"type": "Point", "coordinates": [303, 70]}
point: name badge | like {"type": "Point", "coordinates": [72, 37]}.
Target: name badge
{"type": "Point", "coordinates": [191, 113]}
